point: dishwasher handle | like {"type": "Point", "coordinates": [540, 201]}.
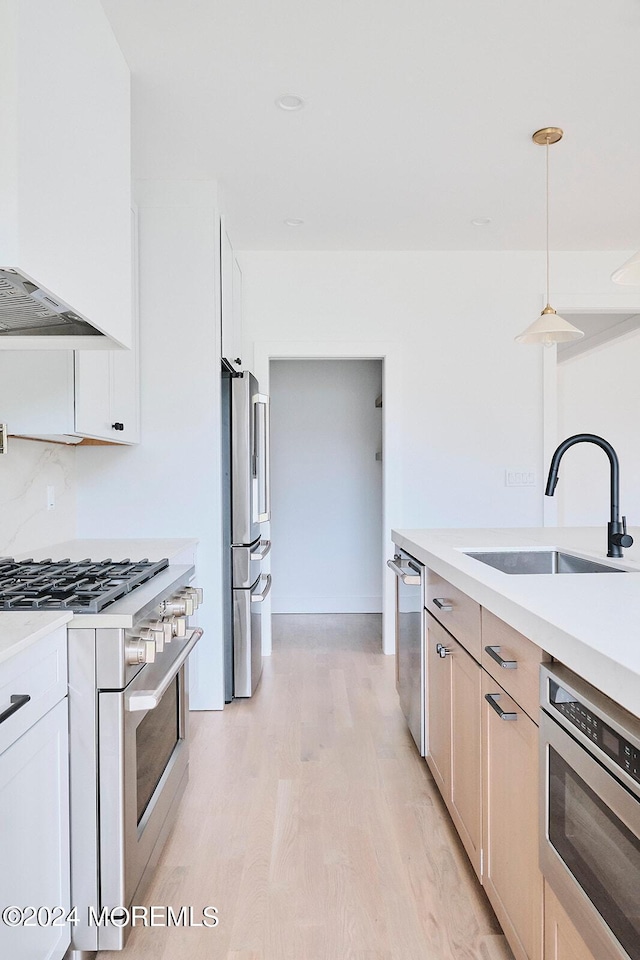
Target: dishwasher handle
{"type": "Point", "coordinates": [412, 579]}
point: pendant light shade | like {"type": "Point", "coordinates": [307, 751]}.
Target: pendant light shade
{"type": "Point", "coordinates": [629, 272]}
{"type": "Point", "coordinates": [549, 328]}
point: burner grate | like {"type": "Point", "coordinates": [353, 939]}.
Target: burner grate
{"type": "Point", "coordinates": [83, 586]}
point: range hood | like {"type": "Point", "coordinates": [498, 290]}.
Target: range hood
{"type": "Point", "coordinates": [28, 309]}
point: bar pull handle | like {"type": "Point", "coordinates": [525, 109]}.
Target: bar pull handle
{"type": "Point", "coordinates": [443, 604]}
{"type": "Point", "coordinates": [17, 700]}
{"type": "Point", "coordinates": [492, 700]}
{"type": "Point", "coordinates": [494, 653]}
{"type": "Point", "coordinates": [411, 579]}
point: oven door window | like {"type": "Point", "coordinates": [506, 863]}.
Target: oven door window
{"type": "Point", "coordinates": [157, 736]}
{"type": "Point", "coordinates": [599, 850]}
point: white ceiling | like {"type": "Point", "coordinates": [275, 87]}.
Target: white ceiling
{"type": "Point", "coordinates": [418, 119]}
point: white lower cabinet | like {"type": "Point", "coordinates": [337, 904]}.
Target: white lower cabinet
{"type": "Point", "coordinates": [34, 802]}
{"type": "Point", "coordinates": [34, 826]}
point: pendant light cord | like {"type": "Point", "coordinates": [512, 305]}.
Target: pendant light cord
{"type": "Point", "coordinates": [547, 221]}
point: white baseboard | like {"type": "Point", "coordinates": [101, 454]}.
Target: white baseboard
{"type": "Point", "coordinates": [326, 604]}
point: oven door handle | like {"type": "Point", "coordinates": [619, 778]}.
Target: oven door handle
{"type": "Point", "coordinates": [143, 699]}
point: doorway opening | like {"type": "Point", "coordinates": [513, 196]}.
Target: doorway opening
{"type": "Point", "coordinates": [327, 486]}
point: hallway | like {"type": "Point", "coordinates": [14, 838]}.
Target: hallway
{"type": "Point", "coordinates": [311, 823]}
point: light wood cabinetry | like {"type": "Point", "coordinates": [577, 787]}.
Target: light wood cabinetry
{"type": "Point", "coordinates": [561, 938]}
{"type": "Point", "coordinates": [457, 612]}
{"type": "Point", "coordinates": [454, 752]}
{"type": "Point", "coordinates": [482, 749]}
{"type": "Point", "coordinates": [513, 660]}
{"type": "Point", "coordinates": [231, 284]}
{"type": "Point", "coordinates": [34, 800]}
{"type": "Point", "coordinates": [511, 876]}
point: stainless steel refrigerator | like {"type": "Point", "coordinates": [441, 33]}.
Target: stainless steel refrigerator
{"type": "Point", "coordinates": [246, 505]}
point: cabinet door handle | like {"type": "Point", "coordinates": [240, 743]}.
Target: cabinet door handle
{"type": "Point", "coordinates": [117, 425]}
{"type": "Point", "coordinates": [443, 604]}
{"type": "Point", "coordinates": [17, 700]}
{"type": "Point", "coordinates": [492, 699]}
{"type": "Point", "coordinates": [442, 651]}
{"type": "Point", "coordinates": [494, 653]}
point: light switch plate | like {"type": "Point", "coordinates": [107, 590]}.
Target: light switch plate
{"type": "Point", "coordinates": [517, 477]}
{"type": "Point", "coordinates": [3, 438]}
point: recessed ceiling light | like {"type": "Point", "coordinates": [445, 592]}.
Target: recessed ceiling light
{"type": "Point", "coordinates": [290, 102]}
{"type": "Point", "coordinates": [481, 221]}
{"type": "Point", "coordinates": [293, 222]}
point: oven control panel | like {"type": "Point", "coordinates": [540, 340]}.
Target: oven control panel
{"type": "Point", "coordinates": [623, 753]}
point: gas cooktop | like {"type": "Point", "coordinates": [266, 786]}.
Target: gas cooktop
{"type": "Point", "coordinates": [83, 586]}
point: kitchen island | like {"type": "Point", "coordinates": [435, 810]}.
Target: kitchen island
{"type": "Point", "coordinates": [544, 802]}
{"type": "Point", "coordinates": [590, 622]}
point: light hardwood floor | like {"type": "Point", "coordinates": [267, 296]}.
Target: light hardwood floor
{"type": "Point", "coordinates": [312, 824]}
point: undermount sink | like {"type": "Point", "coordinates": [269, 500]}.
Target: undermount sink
{"type": "Point", "coordinates": [540, 561]}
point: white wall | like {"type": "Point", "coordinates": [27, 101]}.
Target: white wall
{"type": "Point", "coordinates": [169, 485]}
{"type": "Point", "coordinates": [26, 471]}
{"type": "Point", "coordinates": [464, 401]}
{"type": "Point", "coordinates": [471, 398]}
{"type": "Point", "coordinates": [599, 393]}
{"type": "Point", "coordinates": [326, 523]}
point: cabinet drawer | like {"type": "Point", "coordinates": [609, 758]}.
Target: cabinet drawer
{"type": "Point", "coordinates": [520, 658]}
{"type": "Point", "coordinates": [39, 672]}
{"type": "Point", "coordinates": [455, 611]}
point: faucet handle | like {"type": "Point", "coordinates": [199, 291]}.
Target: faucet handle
{"type": "Point", "coordinates": [626, 540]}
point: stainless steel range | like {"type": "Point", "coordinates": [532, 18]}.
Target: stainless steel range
{"type": "Point", "coordinates": [128, 711]}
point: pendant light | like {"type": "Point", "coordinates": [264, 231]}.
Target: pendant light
{"type": "Point", "coordinates": [629, 272]}
{"type": "Point", "coordinates": [549, 328]}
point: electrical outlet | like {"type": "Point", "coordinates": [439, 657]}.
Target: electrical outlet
{"type": "Point", "coordinates": [519, 478]}
{"type": "Point", "coordinates": [51, 498]}
{"type": "Point", "coordinates": [3, 438]}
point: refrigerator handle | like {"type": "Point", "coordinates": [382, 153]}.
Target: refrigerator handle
{"type": "Point", "coordinates": [263, 548]}
{"type": "Point", "coordinates": [261, 471]}
{"type": "Point", "coordinates": [259, 597]}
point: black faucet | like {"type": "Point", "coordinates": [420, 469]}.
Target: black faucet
{"type": "Point", "coordinates": [617, 536]}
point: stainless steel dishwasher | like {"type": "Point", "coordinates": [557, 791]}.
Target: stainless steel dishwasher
{"type": "Point", "coordinates": [410, 642]}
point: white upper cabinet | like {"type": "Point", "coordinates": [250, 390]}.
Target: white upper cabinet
{"type": "Point", "coordinates": [65, 177]}
{"type": "Point", "coordinates": [231, 282]}
{"type": "Point", "coordinates": [72, 396]}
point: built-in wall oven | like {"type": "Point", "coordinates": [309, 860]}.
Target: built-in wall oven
{"type": "Point", "coordinates": [590, 811]}
{"type": "Point", "coordinates": [410, 642]}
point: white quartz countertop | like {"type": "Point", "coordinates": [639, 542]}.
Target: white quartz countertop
{"type": "Point", "coordinates": [589, 621]}
{"type": "Point", "coordinates": [19, 630]}
{"type": "Point", "coordinates": [136, 549]}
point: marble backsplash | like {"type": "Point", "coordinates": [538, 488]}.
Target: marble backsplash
{"type": "Point", "coordinates": [26, 471]}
